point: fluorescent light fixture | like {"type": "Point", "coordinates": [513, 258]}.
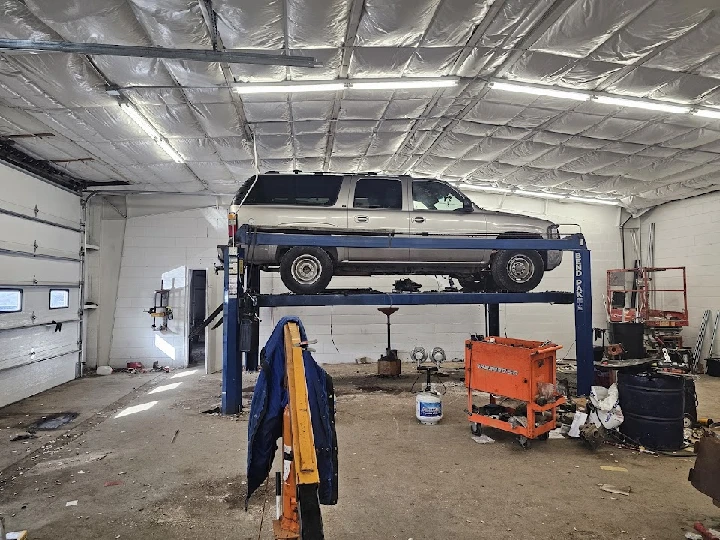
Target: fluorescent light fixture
{"type": "Point", "coordinates": [642, 104]}
{"type": "Point", "coordinates": [491, 189]}
{"type": "Point", "coordinates": [539, 194]}
{"type": "Point", "coordinates": [403, 83]}
{"type": "Point", "coordinates": [707, 113]}
{"type": "Point", "coordinates": [591, 200]}
{"type": "Point", "coordinates": [539, 91]}
{"type": "Point", "coordinates": [289, 87]}
{"type": "Point", "coordinates": [153, 133]}
{"type": "Point", "coordinates": [397, 83]}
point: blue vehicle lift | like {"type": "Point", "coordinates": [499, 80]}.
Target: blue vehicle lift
{"type": "Point", "coordinates": [243, 299]}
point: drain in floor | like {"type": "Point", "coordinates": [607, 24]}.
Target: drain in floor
{"type": "Point", "coordinates": [53, 421]}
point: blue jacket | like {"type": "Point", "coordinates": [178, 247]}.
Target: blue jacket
{"type": "Point", "coordinates": [266, 416]}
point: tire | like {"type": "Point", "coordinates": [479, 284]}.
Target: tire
{"type": "Point", "coordinates": [476, 429]}
{"type": "Point", "coordinates": [306, 270]}
{"type": "Point", "coordinates": [517, 270]}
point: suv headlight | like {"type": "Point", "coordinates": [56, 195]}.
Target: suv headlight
{"type": "Point", "coordinates": [553, 231]}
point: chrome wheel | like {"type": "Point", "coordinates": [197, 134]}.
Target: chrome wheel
{"type": "Point", "coordinates": [306, 269]}
{"type": "Point", "coordinates": [520, 268]}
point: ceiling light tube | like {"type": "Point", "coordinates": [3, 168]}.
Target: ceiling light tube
{"type": "Point", "coordinates": [397, 83]}
{"type": "Point", "coordinates": [403, 83]}
{"type": "Point", "coordinates": [491, 189]}
{"type": "Point", "coordinates": [141, 122]}
{"type": "Point", "coordinates": [591, 200]}
{"type": "Point", "coordinates": [539, 91]}
{"type": "Point", "coordinates": [707, 113]}
{"type": "Point", "coordinates": [539, 194]}
{"type": "Point", "coordinates": [642, 104]}
{"type": "Point", "coordinates": [290, 87]}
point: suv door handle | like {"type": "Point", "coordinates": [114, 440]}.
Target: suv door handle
{"type": "Point", "coordinates": [419, 220]}
{"type": "Point", "coordinates": [361, 219]}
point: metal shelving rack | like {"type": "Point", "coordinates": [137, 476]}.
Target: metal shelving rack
{"type": "Point", "coordinates": [243, 297]}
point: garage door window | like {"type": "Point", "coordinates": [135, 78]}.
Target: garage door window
{"type": "Point", "coordinates": [59, 298]}
{"type": "Point", "coordinates": [10, 300]}
{"type": "Point", "coordinates": [378, 193]}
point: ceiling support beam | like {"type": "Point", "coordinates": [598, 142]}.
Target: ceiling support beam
{"type": "Point", "coordinates": [356, 11]}
{"type": "Point", "coordinates": [197, 55]}
{"type": "Point", "coordinates": [210, 18]}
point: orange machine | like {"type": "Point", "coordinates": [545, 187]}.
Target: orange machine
{"type": "Point", "coordinates": [515, 369]}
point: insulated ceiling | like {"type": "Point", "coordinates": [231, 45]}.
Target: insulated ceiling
{"type": "Point", "coordinates": [665, 50]}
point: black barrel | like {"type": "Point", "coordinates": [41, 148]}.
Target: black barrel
{"type": "Point", "coordinates": [653, 406]}
{"type": "Point", "coordinates": [630, 336]}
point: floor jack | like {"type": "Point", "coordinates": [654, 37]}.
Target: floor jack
{"type": "Point", "coordinates": [298, 507]}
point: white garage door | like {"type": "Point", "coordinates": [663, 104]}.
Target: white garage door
{"type": "Point", "coordinates": [40, 241]}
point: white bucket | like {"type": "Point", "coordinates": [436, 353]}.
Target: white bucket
{"type": "Point", "coordinates": [428, 408]}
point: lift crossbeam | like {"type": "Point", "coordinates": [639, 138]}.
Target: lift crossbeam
{"type": "Point", "coordinates": [411, 299]}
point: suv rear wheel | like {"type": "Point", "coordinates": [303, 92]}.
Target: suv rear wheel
{"type": "Point", "coordinates": [306, 270]}
{"type": "Point", "coordinates": [517, 271]}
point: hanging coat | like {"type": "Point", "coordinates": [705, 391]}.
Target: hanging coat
{"type": "Point", "coordinates": [266, 415]}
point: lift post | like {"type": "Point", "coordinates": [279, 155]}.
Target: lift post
{"type": "Point", "coordinates": [232, 360]}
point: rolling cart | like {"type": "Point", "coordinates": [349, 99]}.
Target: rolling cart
{"type": "Point", "coordinates": [515, 369]}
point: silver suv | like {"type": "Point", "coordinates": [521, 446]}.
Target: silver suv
{"type": "Point", "coordinates": [404, 205]}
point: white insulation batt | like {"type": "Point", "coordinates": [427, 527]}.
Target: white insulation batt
{"type": "Point", "coordinates": [665, 50]}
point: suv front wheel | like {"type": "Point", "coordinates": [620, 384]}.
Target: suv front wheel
{"type": "Point", "coordinates": [306, 270]}
{"type": "Point", "coordinates": [517, 271]}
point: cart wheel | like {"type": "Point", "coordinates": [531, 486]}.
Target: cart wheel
{"type": "Point", "coordinates": [476, 429]}
{"type": "Point", "coordinates": [544, 436]}
{"type": "Point", "coordinates": [524, 441]}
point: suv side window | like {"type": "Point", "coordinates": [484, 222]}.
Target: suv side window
{"type": "Point", "coordinates": [378, 193]}
{"type": "Point", "coordinates": [433, 195]}
{"type": "Point", "coordinates": [295, 189]}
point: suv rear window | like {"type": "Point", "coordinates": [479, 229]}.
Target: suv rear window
{"type": "Point", "coordinates": [294, 189]}
{"type": "Point", "coordinates": [378, 193]}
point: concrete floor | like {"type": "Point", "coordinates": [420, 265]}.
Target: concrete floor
{"type": "Point", "coordinates": [398, 479]}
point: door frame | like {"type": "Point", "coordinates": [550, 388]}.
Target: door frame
{"type": "Point", "coordinates": [188, 301]}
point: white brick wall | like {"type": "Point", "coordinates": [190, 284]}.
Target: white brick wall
{"type": "Point", "coordinates": [159, 249]}
{"type": "Point", "coordinates": [687, 233]}
{"type": "Point", "coordinates": [169, 244]}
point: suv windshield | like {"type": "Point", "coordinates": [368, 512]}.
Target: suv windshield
{"type": "Point", "coordinates": [294, 189]}
{"type": "Point", "coordinates": [435, 195]}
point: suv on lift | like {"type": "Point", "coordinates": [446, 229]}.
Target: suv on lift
{"type": "Point", "coordinates": [379, 204]}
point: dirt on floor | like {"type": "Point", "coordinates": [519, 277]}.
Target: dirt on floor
{"type": "Point", "coordinates": [142, 460]}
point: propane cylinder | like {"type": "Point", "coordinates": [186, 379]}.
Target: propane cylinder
{"type": "Point", "coordinates": [428, 408]}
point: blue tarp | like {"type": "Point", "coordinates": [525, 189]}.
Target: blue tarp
{"type": "Point", "coordinates": [266, 415]}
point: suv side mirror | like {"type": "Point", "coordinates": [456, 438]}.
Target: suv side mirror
{"type": "Point", "coordinates": [467, 206]}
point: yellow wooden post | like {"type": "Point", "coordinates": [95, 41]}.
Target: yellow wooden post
{"type": "Point", "coordinates": [304, 454]}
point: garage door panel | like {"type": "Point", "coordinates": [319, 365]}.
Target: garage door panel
{"type": "Point", "coordinates": [34, 378]}
{"type": "Point", "coordinates": [16, 270]}
{"type": "Point", "coordinates": [24, 235]}
{"type": "Point", "coordinates": [22, 346]}
{"type": "Point", "coordinates": [26, 192]}
{"type": "Point", "coordinates": [35, 353]}
{"type": "Point", "coordinates": [36, 309]}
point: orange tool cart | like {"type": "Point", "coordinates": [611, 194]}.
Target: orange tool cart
{"type": "Point", "coordinates": [518, 370]}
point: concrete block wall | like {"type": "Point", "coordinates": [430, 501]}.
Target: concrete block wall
{"type": "Point", "coordinates": [687, 233]}
{"type": "Point", "coordinates": [158, 251]}
{"type": "Point", "coordinates": [163, 247]}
